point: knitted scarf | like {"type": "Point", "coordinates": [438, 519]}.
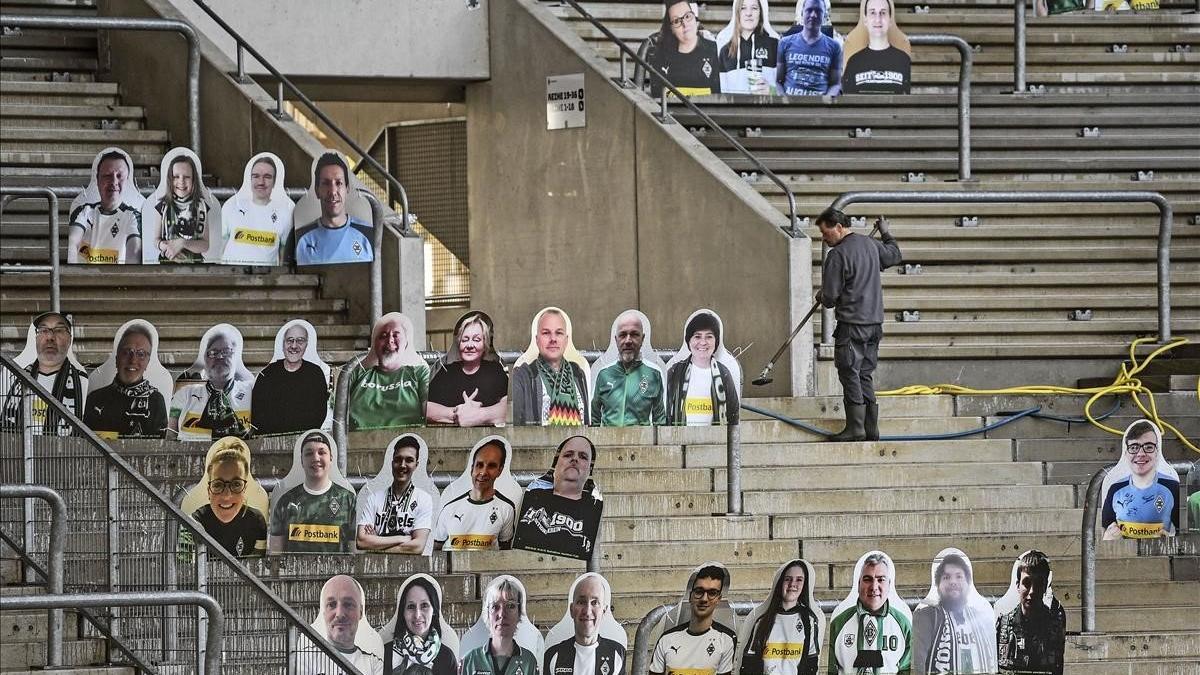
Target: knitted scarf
{"type": "Point", "coordinates": [219, 414]}
{"type": "Point", "coordinates": [717, 391]}
{"type": "Point", "coordinates": [137, 407]}
{"type": "Point", "coordinates": [562, 405]}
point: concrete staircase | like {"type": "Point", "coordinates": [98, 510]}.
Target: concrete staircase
{"type": "Point", "coordinates": [1017, 488]}
{"type": "Point", "coordinates": [993, 299]}
{"type": "Point", "coordinates": [54, 116]}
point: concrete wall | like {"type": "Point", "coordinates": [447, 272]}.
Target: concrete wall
{"type": "Point", "coordinates": [363, 38]}
{"type": "Point", "coordinates": [626, 212]}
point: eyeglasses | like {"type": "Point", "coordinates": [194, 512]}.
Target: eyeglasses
{"type": "Point", "coordinates": [296, 340]}
{"type": "Point", "coordinates": [134, 353]}
{"type": "Point", "coordinates": [1135, 448]}
{"type": "Point", "coordinates": [57, 331]}
{"type": "Point", "coordinates": [236, 486]}
{"type": "Point", "coordinates": [712, 593]}
{"type": "Point", "coordinates": [686, 18]}
{"type": "Point", "coordinates": [509, 606]}
{"type": "Point", "coordinates": [219, 353]}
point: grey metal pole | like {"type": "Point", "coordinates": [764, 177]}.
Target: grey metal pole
{"type": "Point", "coordinates": [114, 543]}
{"type": "Point", "coordinates": [642, 637]}
{"type": "Point", "coordinates": [1087, 578]}
{"type": "Point", "coordinates": [216, 618]}
{"type": "Point", "coordinates": [170, 624]}
{"type": "Point", "coordinates": [54, 564]}
{"type": "Point", "coordinates": [1165, 224]}
{"type": "Point", "coordinates": [27, 470]}
{"type": "Point", "coordinates": [378, 227]}
{"type": "Point", "coordinates": [733, 470]}
{"type": "Point", "coordinates": [1018, 46]}
{"type": "Point", "coordinates": [124, 23]}
{"type": "Point", "coordinates": [964, 94]}
{"type": "Point", "coordinates": [593, 563]}
{"type": "Point", "coordinates": [341, 410]}
{"type": "Point", "coordinates": [624, 57]}
{"type": "Point", "coordinates": [292, 643]}
{"type": "Point", "coordinates": [201, 586]}
{"type": "Point", "coordinates": [279, 102]}
{"type": "Point", "coordinates": [241, 64]}
{"type": "Point", "coordinates": [12, 192]}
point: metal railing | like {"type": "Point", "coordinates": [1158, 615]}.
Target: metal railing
{"type": "Point", "coordinates": [244, 47]}
{"type": "Point", "coordinates": [213, 637]}
{"type": "Point", "coordinates": [119, 524]}
{"type": "Point", "coordinates": [378, 216]}
{"type": "Point", "coordinates": [54, 559]}
{"type": "Point", "coordinates": [11, 193]}
{"type": "Point", "coordinates": [1087, 544]}
{"type": "Point", "coordinates": [1165, 225]}
{"type": "Point", "coordinates": [124, 23]}
{"type": "Point", "coordinates": [965, 63]}
{"type": "Point", "coordinates": [665, 117]}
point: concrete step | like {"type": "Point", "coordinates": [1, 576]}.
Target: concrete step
{"type": "Point", "coordinates": [874, 453]}
{"type": "Point", "coordinates": [1141, 665]}
{"type": "Point", "coordinates": [684, 528]}
{"type": "Point", "coordinates": [811, 501]}
{"type": "Point", "coordinates": [26, 626]}
{"type": "Point", "coordinates": [999, 521]}
{"type": "Point", "coordinates": [27, 655]}
{"type": "Point", "coordinates": [819, 406]}
{"type": "Point", "coordinates": [637, 555]}
{"type": "Point", "coordinates": [893, 475]}
{"type": "Point", "coordinates": [59, 93]}
{"type": "Point", "coordinates": [1120, 645]}
{"type": "Point", "coordinates": [71, 116]}
{"type": "Point", "coordinates": [14, 156]}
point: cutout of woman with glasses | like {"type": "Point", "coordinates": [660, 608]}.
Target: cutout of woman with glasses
{"type": "Point", "coordinates": [513, 644]}
{"type": "Point", "coordinates": [1139, 492]}
{"type": "Point", "coordinates": [687, 58]}
{"type": "Point", "coordinates": [239, 527]}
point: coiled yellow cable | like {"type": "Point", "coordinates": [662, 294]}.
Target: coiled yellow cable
{"type": "Point", "coordinates": [1126, 382]}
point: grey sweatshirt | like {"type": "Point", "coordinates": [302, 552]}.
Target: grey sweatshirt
{"type": "Point", "coordinates": [850, 279]}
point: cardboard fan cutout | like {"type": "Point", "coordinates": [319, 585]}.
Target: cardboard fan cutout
{"type": "Point", "coordinates": [1141, 490]}
{"type": "Point", "coordinates": [588, 617]}
{"type": "Point", "coordinates": [550, 379]}
{"type": "Point", "coordinates": [106, 218]}
{"type": "Point", "coordinates": [256, 222]}
{"type": "Point", "coordinates": [128, 393]}
{"type": "Point", "coordinates": [877, 55]}
{"type": "Point", "coordinates": [395, 510]}
{"type": "Point", "coordinates": [389, 388]}
{"type": "Point", "coordinates": [560, 512]}
{"type": "Point", "coordinates": [872, 627]}
{"type": "Point", "coordinates": [49, 356]}
{"type": "Point", "coordinates": [747, 48]}
{"type": "Point", "coordinates": [684, 52]}
{"type": "Point", "coordinates": [954, 627]}
{"type": "Point", "coordinates": [777, 638]}
{"type": "Point", "coordinates": [333, 222]}
{"type": "Point", "coordinates": [479, 508]}
{"type": "Point", "coordinates": [1030, 623]}
{"type": "Point", "coordinates": [312, 508]}
{"type": "Point", "coordinates": [228, 502]}
{"type": "Point", "coordinates": [1193, 500]}
{"type": "Point", "coordinates": [628, 385]}
{"type": "Point", "coordinates": [418, 640]}
{"type": "Point", "coordinates": [212, 397]}
{"type": "Point", "coordinates": [810, 56]}
{"type": "Point", "coordinates": [704, 381]}
{"type": "Point", "coordinates": [292, 393]}
{"type": "Point", "coordinates": [469, 386]}
{"type": "Point", "coordinates": [181, 220]}
{"type": "Point", "coordinates": [342, 620]}
{"type": "Point", "coordinates": [473, 646]}
{"type": "Point", "coordinates": [677, 648]}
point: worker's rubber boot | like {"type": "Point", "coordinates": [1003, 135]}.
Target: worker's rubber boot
{"type": "Point", "coordinates": [855, 414]}
{"type": "Point", "coordinates": [871, 422]}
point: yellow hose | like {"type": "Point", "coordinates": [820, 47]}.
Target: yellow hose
{"type": "Point", "coordinates": [1126, 382]}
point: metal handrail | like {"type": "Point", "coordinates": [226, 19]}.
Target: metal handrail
{"type": "Point", "coordinates": [965, 63]}
{"type": "Point", "coordinates": [54, 564]}
{"type": "Point", "coordinates": [91, 618]}
{"type": "Point", "coordinates": [126, 23]}
{"type": "Point", "coordinates": [1087, 544]}
{"type": "Point", "coordinates": [12, 193]}
{"type": "Point", "coordinates": [243, 45]}
{"type": "Point", "coordinates": [117, 463]}
{"type": "Point", "coordinates": [216, 618]}
{"type": "Point", "coordinates": [666, 118]}
{"type": "Point", "coordinates": [1165, 226]}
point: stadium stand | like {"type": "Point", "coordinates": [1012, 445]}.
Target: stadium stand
{"type": "Point", "coordinates": [1015, 275]}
